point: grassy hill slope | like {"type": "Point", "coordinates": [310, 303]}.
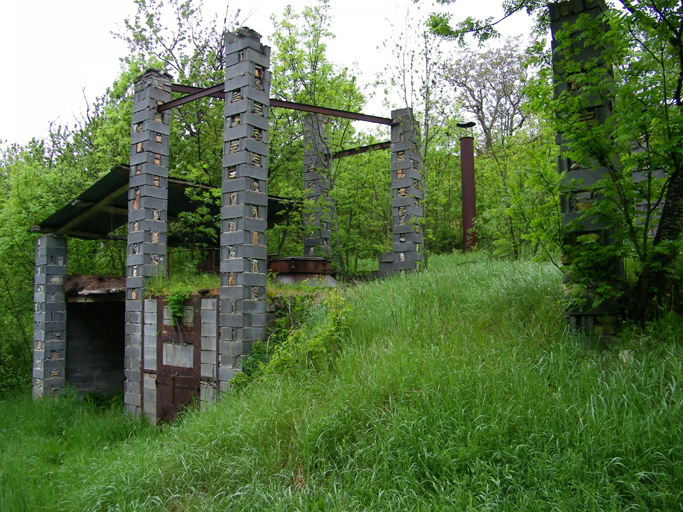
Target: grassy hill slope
{"type": "Point", "coordinates": [455, 389]}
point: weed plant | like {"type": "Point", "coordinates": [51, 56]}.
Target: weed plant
{"type": "Point", "coordinates": [455, 389]}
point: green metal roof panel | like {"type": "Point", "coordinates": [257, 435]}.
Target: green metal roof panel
{"type": "Point", "coordinates": [113, 213]}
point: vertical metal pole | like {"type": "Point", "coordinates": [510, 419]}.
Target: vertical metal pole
{"type": "Point", "coordinates": [469, 235]}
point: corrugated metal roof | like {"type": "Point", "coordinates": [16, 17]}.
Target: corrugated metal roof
{"type": "Point", "coordinates": [103, 207]}
{"type": "Point", "coordinates": [98, 224]}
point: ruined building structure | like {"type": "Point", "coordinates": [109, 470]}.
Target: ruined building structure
{"type": "Point", "coordinates": [133, 343]}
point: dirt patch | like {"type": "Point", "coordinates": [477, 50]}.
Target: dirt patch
{"type": "Point", "coordinates": [93, 285]}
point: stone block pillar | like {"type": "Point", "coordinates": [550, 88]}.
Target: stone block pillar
{"type": "Point", "coordinates": [406, 192]}
{"type": "Point", "coordinates": [147, 205]}
{"type": "Point", "coordinates": [49, 334]}
{"type": "Point", "coordinates": [244, 210]}
{"type": "Point", "coordinates": [594, 324]}
{"type": "Point", "coordinates": [317, 162]}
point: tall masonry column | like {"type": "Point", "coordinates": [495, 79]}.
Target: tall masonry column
{"type": "Point", "coordinates": [147, 205]}
{"type": "Point", "coordinates": [595, 324]}
{"type": "Point", "coordinates": [406, 193]}
{"type": "Point", "coordinates": [49, 331]}
{"type": "Point", "coordinates": [317, 162]}
{"type": "Point", "coordinates": [244, 210]}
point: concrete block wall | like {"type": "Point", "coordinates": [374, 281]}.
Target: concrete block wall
{"type": "Point", "coordinates": [406, 192]}
{"type": "Point", "coordinates": [244, 210]}
{"type": "Point", "coordinates": [95, 347]}
{"type": "Point", "coordinates": [149, 358]}
{"type": "Point", "coordinates": [209, 349]}
{"type": "Point", "coordinates": [147, 211]}
{"type": "Point", "coordinates": [317, 162]}
{"type": "Point", "coordinates": [49, 318]}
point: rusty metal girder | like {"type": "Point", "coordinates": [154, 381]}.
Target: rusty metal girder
{"type": "Point", "coordinates": [217, 91]}
{"type": "Point", "coordinates": [362, 149]}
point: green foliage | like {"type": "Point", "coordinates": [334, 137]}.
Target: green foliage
{"type": "Point", "coordinates": [314, 345]}
{"type": "Point", "coordinates": [184, 282]}
{"type": "Point", "coordinates": [176, 304]}
{"type": "Point", "coordinates": [305, 336]}
{"type": "Point", "coordinates": [635, 73]}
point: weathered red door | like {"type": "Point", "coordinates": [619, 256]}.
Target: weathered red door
{"type": "Point", "coordinates": [178, 359]}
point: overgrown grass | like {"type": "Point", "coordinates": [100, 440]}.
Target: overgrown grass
{"type": "Point", "coordinates": [41, 438]}
{"type": "Point", "coordinates": [455, 390]}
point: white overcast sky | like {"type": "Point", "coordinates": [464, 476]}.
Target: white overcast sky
{"type": "Point", "coordinates": [56, 53]}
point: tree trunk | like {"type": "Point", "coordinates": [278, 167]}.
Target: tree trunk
{"type": "Point", "coordinates": [653, 290]}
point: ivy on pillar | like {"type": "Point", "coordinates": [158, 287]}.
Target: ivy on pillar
{"type": "Point", "coordinates": [147, 206]}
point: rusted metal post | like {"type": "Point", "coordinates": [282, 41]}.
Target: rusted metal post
{"type": "Point", "coordinates": [469, 235]}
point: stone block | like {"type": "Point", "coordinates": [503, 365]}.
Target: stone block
{"type": "Point", "coordinates": [209, 342]}
{"type": "Point", "coordinates": [131, 399]}
{"type": "Point", "coordinates": [232, 320]}
{"type": "Point", "coordinates": [260, 320]}
{"type": "Point", "coordinates": [234, 292]}
{"type": "Point", "coordinates": [235, 265]}
{"type": "Point", "coordinates": [134, 331]}
{"type": "Point", "coordinates": [225, 374]}
{"type": "Point", "coordinates": [208, 370]}
{"type": "Point", "coordinates": [150, 358]}
{"type": "Point", "coordinates": [208, 357]}
{"type": "Point", "coordinates": [250, 306]}
{"type": "Point", "coordinates": [235, 237]}
{"type": "Point", "coordinates": [258, 252]}
{"type": "Point", "coordinates": [250, 279]}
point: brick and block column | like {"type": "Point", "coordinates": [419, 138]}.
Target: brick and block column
{"type": "Point", "coordinates": [406, 192]}
{"type": "Point", "coordinates": [244, 210]}
{"type": "Point", "coordinates": [49, 334]}
{"type": "Point", "coordinates": [594, 324]}
{"type": "Point", "coordinates": [147, 216]}
{"type": "Point", "coordinates": [320, 214]}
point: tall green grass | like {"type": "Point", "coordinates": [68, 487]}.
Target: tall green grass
{"type": "Point", "coordinates": [40, 438]}
{"type": "Point", "coordinates": [455, 390]}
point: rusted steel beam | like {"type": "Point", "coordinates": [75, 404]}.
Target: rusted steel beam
{"type": "Point", "coordinates": [330, 112]}
{"type": "Point", "coordinates": [194, 93]}
{"type": "Point", "coordinates": [362, 149]}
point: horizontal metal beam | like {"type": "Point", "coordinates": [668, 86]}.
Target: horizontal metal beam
{"type": "Point", "coordinates": [77, 234]}
{"type": "Point", "coordinates": [330, 112]}
{"type": "Point", "coordinates": [217, 91]}
{"type": "Point", "coordinates": [92, 211]}
{"type": "Point", "coordinates": [108, 209]}
{"type": "Point", "coordinates": [361, 150]}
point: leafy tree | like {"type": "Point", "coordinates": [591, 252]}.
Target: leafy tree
{"type": "Point", "coordinates": [515, 145]}
{"type": "Point", "coordinates": [645, 45]}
